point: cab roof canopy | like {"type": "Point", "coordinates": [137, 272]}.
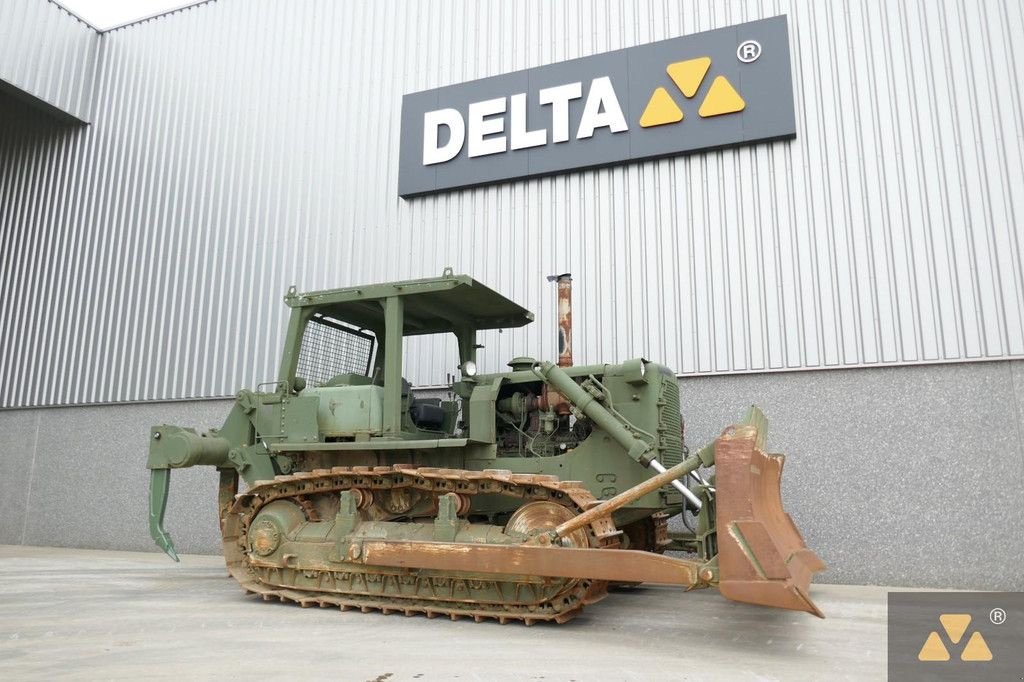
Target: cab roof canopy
{"type": "Point", "coordinates": [434, 305]}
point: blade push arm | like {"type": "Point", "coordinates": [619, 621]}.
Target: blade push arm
{"type": "Point", "coordinates": [625, 497]}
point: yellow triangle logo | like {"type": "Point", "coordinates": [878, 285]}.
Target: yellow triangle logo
{"type": "Point", "coordinates": [688, 75]}
{"type": "Point", "coordinates": [933, 649]}
{"type": "Point", "coordinates": [661, 109]}
{"type": "Point", "coordinates": [955, 625]}
{"type": "Point", "coordinates": [976, 649]}
{"type": "Point", "coordinates": [722, 98]}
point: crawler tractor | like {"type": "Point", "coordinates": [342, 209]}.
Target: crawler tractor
{"type": "Point", "coordinates": [521, 497]}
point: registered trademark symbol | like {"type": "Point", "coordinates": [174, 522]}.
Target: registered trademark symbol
{"type": "Point", "coordinates": [997, 616]}
{"type": "Point", "coordinates": [748, 51]}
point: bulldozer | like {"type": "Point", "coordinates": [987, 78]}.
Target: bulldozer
{"type": "Point", "coordinates": [517, 496]}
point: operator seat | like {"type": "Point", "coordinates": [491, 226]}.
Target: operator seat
{"type": "Point", "coordinates": [425, 413]}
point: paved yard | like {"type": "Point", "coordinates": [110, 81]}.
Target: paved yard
{"type": "Point", "coordinates": [80, 614]}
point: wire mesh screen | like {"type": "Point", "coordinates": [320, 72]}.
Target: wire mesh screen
{"type": "Point", "coordinates": [330, 348]}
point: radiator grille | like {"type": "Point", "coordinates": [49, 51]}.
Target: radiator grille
{"type": "Point", "coordinates": [670, 437]}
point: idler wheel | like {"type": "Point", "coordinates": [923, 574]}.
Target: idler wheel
{"type": "Point", "coordinates": [534, 518]}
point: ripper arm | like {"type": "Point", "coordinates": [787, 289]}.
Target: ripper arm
{"type": "Point", "coordinates": [175, 447]}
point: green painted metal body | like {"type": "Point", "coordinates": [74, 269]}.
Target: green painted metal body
{"type": "Point", "coordinates": [598, 424]}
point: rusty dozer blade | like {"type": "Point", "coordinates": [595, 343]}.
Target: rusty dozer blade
{"type": "Point", "coordinates": [762, 558]}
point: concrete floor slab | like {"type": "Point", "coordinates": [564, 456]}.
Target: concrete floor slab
{"type": "Point", "coordinates": [83, 614]}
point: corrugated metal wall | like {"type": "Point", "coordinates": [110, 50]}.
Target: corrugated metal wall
{"type": "Point", "coordinates": [238, 147]}
{"type": "Point", "coordinates": [49, 54]}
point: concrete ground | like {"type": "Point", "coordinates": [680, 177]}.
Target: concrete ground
{"type": "Point", "coordinates": [82, 614]}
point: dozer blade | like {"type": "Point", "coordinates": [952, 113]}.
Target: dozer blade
{"type": "Point", "coordinates": [762, 558]}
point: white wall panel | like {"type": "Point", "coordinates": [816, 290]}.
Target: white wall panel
{"type": "Point", "coordinates": [49, 54]}
{"type": "Point", "coordinates": [237, 147]}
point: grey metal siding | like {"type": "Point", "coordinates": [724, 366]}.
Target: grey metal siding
{"type": "Point", "coordinates": [49, 54]}
{"type": "Point", "coordinates": [237, 149]}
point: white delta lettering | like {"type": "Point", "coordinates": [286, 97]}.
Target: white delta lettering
{"type": "Point", "coordinates": [484, 132]}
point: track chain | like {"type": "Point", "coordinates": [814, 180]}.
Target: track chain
{"type": "Point", "coordinates": [299, 487]}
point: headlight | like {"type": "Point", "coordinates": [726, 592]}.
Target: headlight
{"type": "Point", "coordinates": [635, 371]}
{"type": "Point", "coordinates": [469, 368]}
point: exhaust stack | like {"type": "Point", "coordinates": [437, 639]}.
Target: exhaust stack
{"type": "Point", "coordinates": [564, 318]}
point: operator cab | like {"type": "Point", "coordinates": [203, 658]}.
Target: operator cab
{"type": "Point", "coordinates": [345, 347]}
